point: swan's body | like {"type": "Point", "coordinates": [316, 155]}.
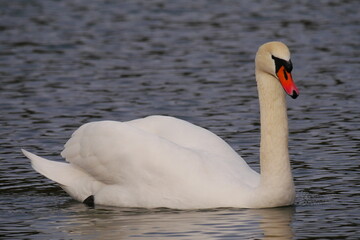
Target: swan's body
{"type": "Point", "coordinates": [162, 161]}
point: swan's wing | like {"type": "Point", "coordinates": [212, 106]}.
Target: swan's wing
{"type": "Point", "coordinates": [120, 153]}
{"type": "Point", "coordinates": [185, 134]}
{"type": "Point", "coordinates": [115, 152]}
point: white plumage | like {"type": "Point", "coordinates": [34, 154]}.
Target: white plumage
{"type": "Point", "coordinates": [161, 161]}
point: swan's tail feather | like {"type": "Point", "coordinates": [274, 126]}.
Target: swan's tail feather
{"type": "Point", "coordinates": [50, 169]}
{"type": "Point", "coordinates": [72, 179]}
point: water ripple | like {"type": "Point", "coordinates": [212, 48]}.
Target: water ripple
{"type": "Point", "coordinates": [64, 63]}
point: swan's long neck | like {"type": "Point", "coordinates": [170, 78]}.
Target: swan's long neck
{"type": "Point", "coordinates": [276, 177]}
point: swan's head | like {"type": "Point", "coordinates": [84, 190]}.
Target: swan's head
{"type": "Point", "coordinates": [274, 58]}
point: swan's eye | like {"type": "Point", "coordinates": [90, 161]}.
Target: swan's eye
{"type": "Point", "coordinates": [281, 62]}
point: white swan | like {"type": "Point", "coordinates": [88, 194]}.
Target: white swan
{"type": "Point", "coordinates": [162, 161]}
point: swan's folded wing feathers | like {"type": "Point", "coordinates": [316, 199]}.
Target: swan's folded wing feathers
{"type": "Point", "coordinates": [198, 139]}
{"type": "Point", "coordinates": [138, 162]}
{"type": "Point", "coordinates": [112, 151]}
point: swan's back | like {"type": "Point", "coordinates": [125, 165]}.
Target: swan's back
{"type": "Point", "coordinates": [185, 134]}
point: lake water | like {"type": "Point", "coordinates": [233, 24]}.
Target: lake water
{"type": "Point", "coordinates": [65, 63]}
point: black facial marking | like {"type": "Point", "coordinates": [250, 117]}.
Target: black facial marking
{"type": "Point", "coordinates": [90, 201]}
{"type": "Point", "coordinates": [281, 62]}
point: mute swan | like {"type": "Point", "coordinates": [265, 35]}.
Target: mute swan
{"type": "Point", "coordinates": [161, 161]}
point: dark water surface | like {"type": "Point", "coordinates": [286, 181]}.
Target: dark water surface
{"type": "Point", "coordinates": [64, 63]}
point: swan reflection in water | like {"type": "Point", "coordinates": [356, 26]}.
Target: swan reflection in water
{"type": "Point", "coordinates": [125, 223]}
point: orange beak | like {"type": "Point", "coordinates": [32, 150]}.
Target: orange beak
{"type": "Point", "coordinates": [287, 82]}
